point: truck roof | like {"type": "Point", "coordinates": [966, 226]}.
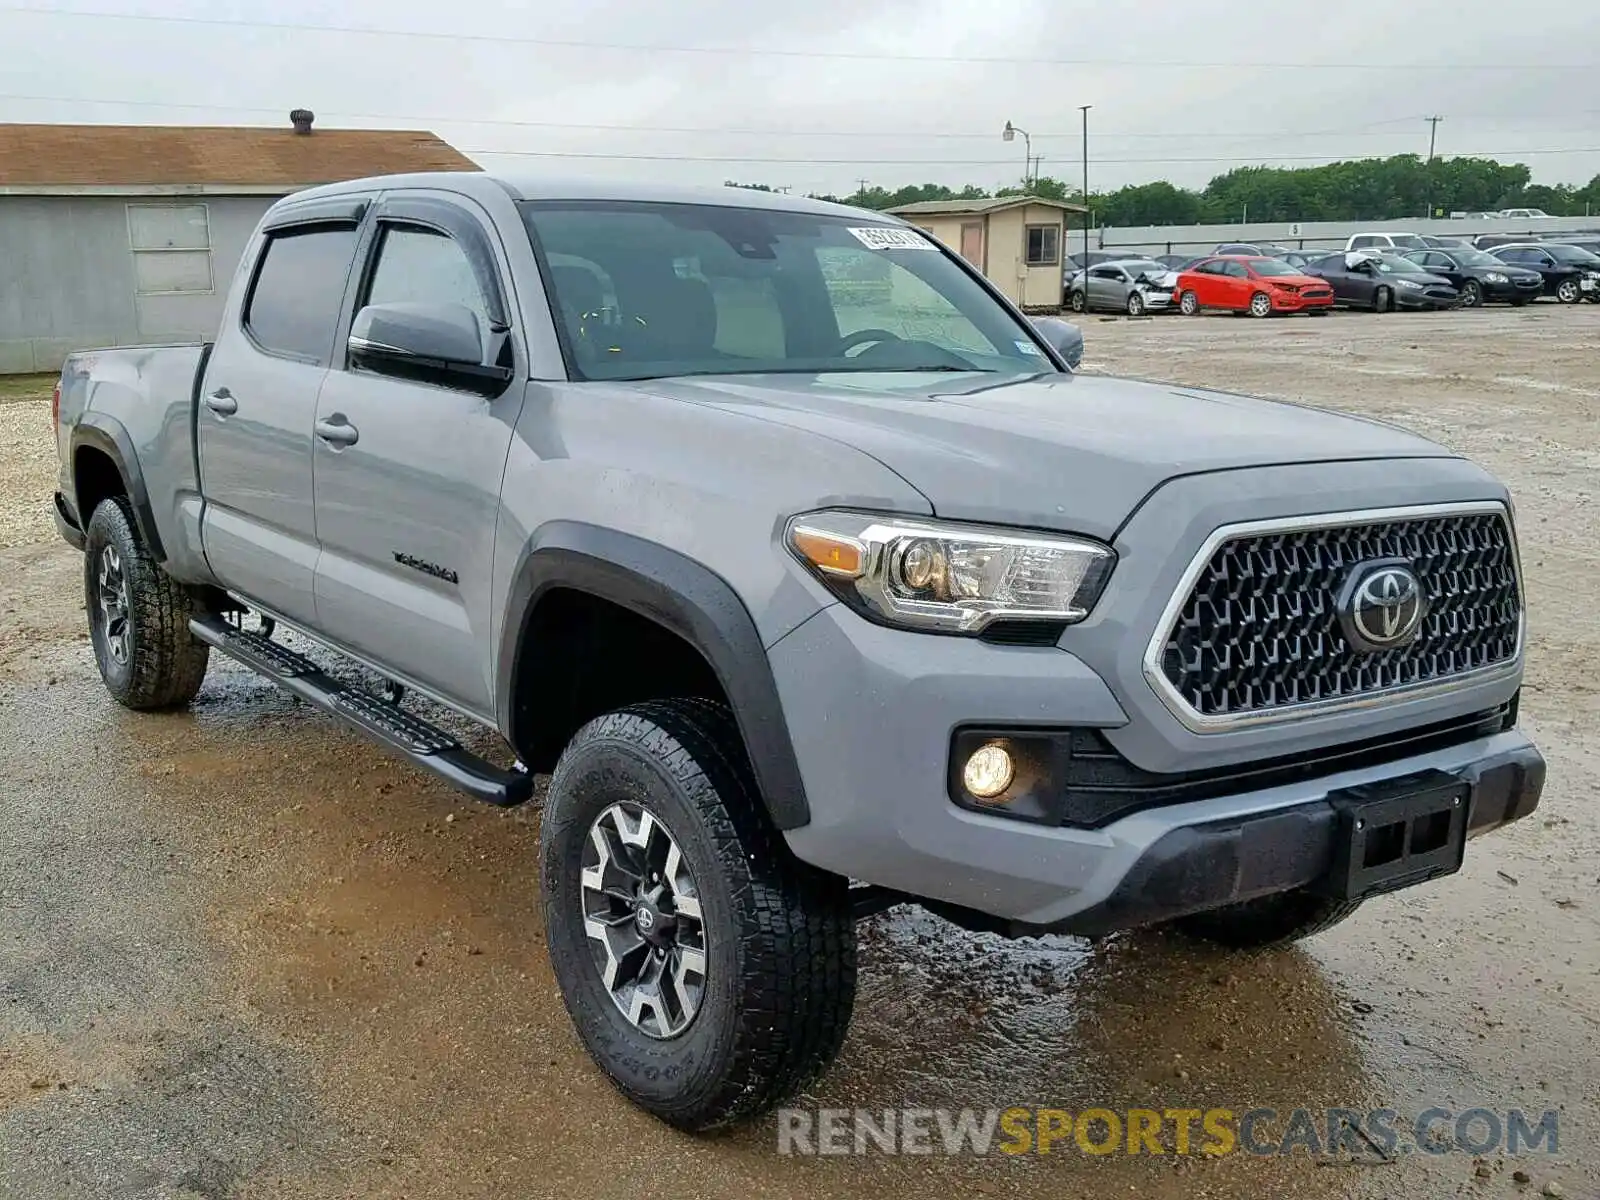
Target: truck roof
{"type": "Point", "coordinates": [538, 186]}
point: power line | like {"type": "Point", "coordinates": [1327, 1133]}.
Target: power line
{"type": "Point", "coordinates": [982, 162]}
{"type": "Point", "coordinates": [987, 136]}
{"type": "Point", "coordinates": [501, 39]}
{"type": "Point", "coordinates": [445, 119]}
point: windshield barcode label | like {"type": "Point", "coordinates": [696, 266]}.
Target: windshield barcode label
{"type": "Point", "coordinates": [879, 237]}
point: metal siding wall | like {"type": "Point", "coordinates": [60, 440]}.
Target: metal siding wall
{"type": "Point", "coordinates": [67, 276]}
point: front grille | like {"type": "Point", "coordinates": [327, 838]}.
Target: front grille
{"type": "Point", "coordinates": [1259, 630]}
{"type": "Point", "coordinates": [1316, 293]}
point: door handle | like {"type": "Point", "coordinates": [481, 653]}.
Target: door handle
{"type": "Point", "coordinates": [338, 432]}
{"type": "Point", "coordinates": [222, 402]}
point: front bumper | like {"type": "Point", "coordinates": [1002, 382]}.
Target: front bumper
{"type": "Point", "coordinates": [1405, 298]}
{"type": "Point", "coordinates": [876, 776]}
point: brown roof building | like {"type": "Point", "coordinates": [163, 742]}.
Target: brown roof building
{"type": "Point", "coordinates": [120, 234]}
{"type": "Point", "coordinates": [282, 160]}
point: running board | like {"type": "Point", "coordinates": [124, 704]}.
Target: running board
{"type": "Point", "coordinates": [407, 735]}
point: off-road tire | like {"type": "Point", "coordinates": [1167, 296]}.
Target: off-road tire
{"type": "Point", "coordinates": [1267, 921]}
{"type": "Point", "coordinates": [779, 935]}
{"type": "Point", "coordinates": [163, 664]}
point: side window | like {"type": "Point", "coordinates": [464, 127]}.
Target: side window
{"type": "Point", "coordinates": [1543, 259]}
{"type": "Point", "coordinates": [1236, 270]}
{"type": "Point", "coordinates": [1105, 273]}
{"type": "Point", "coordinates": [417, 265]}
{"type": "Point", "coordinates": [294, 303]}
{"type": "Point", "coordinates": [1362, 241]}
{"type": "Point", "coordinates": [1043, 245]}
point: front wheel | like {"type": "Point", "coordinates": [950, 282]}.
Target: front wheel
{"type": "Point", "coordinates": [1261, 305]}
{"type": "Point", "coordinates": [138, 616]}
{"type": "Point", "coordinates": [1189, 304]}
{"type": "Point", "coordinates": [1077, 303]}
{"type": "Point", "coordinates": [1381, 301]}
{"type": "Point", "coordinates": [1135, 304]}
{"type": "Point", "coordinates": [1267, 921]}
{"type": "Point", "coordinates": [1568, 291]}
{"type": "Point", "coordinates": [709, 972]}
{"type": "Point", "coordinates": [1471, 294]}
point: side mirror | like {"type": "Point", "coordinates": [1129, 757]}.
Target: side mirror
{"type": "Point", "coordinates": [1065, 338]}
{"type": "Point", "coordinates": [430, 343]}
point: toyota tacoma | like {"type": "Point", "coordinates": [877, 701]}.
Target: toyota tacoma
{"type": "Point", "coordinates": [815, 579]}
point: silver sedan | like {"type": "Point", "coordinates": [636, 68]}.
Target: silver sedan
{"type": "Point", "coordinates": [1134, 286]}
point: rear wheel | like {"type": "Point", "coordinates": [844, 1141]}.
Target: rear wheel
{"type": "Point", "coordinates": [138, 616]}
{"type": "Point", "coordinates": [1189, 304]}
{"type": "Point", "coordinates": [1261, 305]}
{"type": "Point", "coordinates": [1568, 292]}
{"type": "Point", "coordinates": [709, 973]}
{"type": "Point", "coordinates": [1267, 921]}
{"type": "Point", "coordinates": [1135, 304]}
{"type": "Point", "coordinates": [1471, 294]}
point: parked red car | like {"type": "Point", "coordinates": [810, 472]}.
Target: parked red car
{"type": "Point", "coordinates": [1251, 284]}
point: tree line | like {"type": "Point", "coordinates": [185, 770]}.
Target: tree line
{"type": "Point", "coordinates": [1368, 189]}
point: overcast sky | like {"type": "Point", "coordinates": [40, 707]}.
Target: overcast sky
{"type": "Point", "coordinates": [855, 81]}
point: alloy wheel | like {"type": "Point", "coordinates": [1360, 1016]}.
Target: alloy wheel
{"type": "Point", "coordinates": [112, 597]}
{"type": "Point", "coordinates": [1567, 293]}
{"type": "Point", "coordinates": [1260, 304]}
{"type": "Point", "coordinates": [1471, 294]}
{"type": "Point", "coordinates": [1135, 304]}
{"type": "Point", "coordinates": [642, 916]}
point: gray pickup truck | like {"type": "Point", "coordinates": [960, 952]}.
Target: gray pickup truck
{"type": "Point", "coordinates": [817, 581]}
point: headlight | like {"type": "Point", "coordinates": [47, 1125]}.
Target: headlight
{"type": "Point", "coordinates": [1407, 283]}
{"type": "Point", "coordinates": [1496, 277]}
{"type": "Point", "coordinates": [949, 578]}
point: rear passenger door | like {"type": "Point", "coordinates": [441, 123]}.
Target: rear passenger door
{"type": "Point", "coordinates": [258, 402]}
{"type": "Point", "coordinates": [408, 472]}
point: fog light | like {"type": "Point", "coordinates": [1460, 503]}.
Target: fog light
{"type": "Point", "coordinates": [988, 772]}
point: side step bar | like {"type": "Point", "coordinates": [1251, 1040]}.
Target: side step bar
{"type": "Point", "coordinates": [414, 739]}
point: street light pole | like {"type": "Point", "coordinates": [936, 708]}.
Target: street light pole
{"type": "Point", "coordinates": [1433, 135]}
{"type": "Point", "coordinates": [1009, 134]}
{"type": "Point", "coordinates": [1084, 109]}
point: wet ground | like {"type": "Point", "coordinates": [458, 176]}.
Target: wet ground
{"type": "Point", "coordinates": [244, 954]}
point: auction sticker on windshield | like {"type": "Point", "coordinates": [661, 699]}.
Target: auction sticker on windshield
{"type": "Point", "coordinates": [880, 237]}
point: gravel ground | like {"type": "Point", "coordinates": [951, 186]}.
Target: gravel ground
{"type": "Point", "coordinates": [244, 954]}
{"type": "Point", "coordinates": [27, 460]}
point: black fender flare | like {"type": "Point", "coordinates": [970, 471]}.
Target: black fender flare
{"type": "Point", "coordinates": [684, 597]}
{"type": "Point", "coordinates": [107, 435]}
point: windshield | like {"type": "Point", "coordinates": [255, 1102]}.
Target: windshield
{"type": "Point", "coordinates": [1271, 266]}
{"type": "Point", "coordinates": [1573, 255]}
{"type": "Point", "coordinates": [650, 290]}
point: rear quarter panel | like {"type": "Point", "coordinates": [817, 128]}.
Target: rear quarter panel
{"type": "Point", "coordinates": [141, 398]}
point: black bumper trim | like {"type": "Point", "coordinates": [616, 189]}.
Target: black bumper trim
{"type": "Point", "coordinates": [1207, 866]}
{"type": "Point", "coordinates": [67, 524]}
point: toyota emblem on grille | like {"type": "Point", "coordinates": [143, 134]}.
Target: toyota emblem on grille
{"type": "Point", "coordinates": [1381, 606]}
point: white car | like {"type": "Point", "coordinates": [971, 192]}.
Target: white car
{"type": "Point", "coordinates": [1526, 214]}
{"type": "Point", "coordinates": [1385, 241]}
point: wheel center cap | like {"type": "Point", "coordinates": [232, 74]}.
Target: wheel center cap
{"type": "Point", "coordinates": [652, 922]}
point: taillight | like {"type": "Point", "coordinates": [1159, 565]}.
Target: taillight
{"type": "Point", "coordinates": [55, 406]}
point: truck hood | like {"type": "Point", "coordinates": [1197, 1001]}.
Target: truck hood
{"type": "Point", "coordinates": [1071, 452]}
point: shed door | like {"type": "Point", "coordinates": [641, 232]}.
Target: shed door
{"type": "Point", "coordinates": [972, 243]}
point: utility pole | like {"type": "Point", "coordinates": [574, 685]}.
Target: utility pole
{"type": "Point", "coordinates": [1084, 109]}
{"type": "Point", "coordinates": [1433, 136]}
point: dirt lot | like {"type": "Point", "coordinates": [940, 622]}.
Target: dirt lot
{"type": "Point", "coordinates": [244, 954]}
